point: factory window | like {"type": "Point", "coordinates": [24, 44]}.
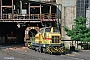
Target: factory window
{"type": "Point", "coordinates": [81, 8]}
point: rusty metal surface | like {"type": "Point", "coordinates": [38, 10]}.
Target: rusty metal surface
{"type": "Point", "coordinates": [26, 17]}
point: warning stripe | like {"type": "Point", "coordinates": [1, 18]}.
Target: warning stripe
{"type": "Point", "coordinates": [44, 38]}
{"type": "Point", "coordinates": [48, 38]}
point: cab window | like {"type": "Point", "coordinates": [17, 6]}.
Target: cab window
{"type": "Point", "coordinates": [42, 31]}
{"type": "Point", "coordinates": [55, 30]}
{"type": "Point", "coordinates": [47, 30]}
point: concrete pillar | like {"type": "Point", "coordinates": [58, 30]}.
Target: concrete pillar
{"type": "Point", "coordinates": [63, 22]}
{"type": "Point", "coordinates": [50, 12]}
{"type": "Point", "coordinates": [59, 10]}
{"type": "Point", "coordinates": [29, 9]}
{"type": "Point", "coordinates": [12, 9]}
{"type": "Point", "coordinates": [40, 11]}
{"type": "Point", "coordinates": [20, 7]}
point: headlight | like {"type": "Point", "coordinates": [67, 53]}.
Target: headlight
{"type": "Point", "coordinates": [44, 45]}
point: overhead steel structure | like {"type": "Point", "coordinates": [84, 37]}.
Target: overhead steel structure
{"type": "Point", "coordinates": [26, 11]}
{"type": "Point", "coordinates": [17, 15]}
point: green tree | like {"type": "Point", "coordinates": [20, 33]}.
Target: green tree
{"type": "Point", "coordinates": [79, 30]}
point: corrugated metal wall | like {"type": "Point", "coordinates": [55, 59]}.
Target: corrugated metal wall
{"type": "Point", "coordinates": [81, 6]}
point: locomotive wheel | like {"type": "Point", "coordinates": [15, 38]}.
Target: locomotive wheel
{"type": "Point", "coordinates": [40, 49]}
{"type": "Point", "coordinates": [50, 53]}
{"type": "Point", "coordinates": [26, 44]}
{"type": "Point", "coordinates": [43, 50]}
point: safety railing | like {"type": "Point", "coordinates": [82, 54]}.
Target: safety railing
{"type": "Point", "coordinates": [6, 16]}
{"type": "Point", "coordinates": [27, 16]}
{"type": "Point", "coordinates": [49, 16]}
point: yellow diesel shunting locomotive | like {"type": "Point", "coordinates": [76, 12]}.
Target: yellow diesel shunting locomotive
{"type": "Point", "coordinates": [48, 39]}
